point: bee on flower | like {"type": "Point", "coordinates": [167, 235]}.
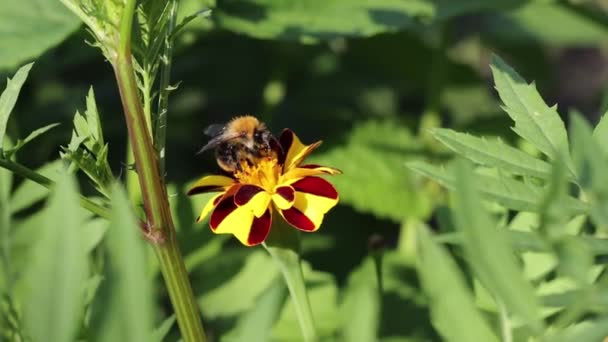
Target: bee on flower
{"type": "Point", "coordinates": [265, 176]}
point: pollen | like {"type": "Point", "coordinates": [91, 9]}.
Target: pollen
{"type": "Point", "coordinates": [264, 173]}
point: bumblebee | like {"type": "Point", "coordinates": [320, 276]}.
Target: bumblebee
{"type": "Point", "coordinates": [244, 139]}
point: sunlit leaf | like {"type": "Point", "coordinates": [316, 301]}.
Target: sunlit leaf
{"type": "Point", "coordinates": [29, 193]}
{"type": "Point", "coordinates": [55, 277]}
{"type": "Point", "coordinates": [8, 98]}
{"type": "Point", "coordinates": [375, 179]}
{"type": "Point", "coordinates": [494, 153]}
{"type": "Point", "coordinates": [536, 122]}
{"type": "Point", "coordinates": [506, 191]}
{"type": "Point", "coordinates": [30, 27]}
{"type": "Point", "coordinates": [492, 259]}
{"type": "Point", "coordinates": [451, 302]}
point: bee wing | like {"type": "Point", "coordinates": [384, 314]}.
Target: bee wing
{"type": "Point", "coordinates": [218, 139]}
{"type": "Point", "coordinates": [214, 130]}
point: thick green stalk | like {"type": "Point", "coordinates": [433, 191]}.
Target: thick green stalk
{"type": "Point", "coordinates": [156, 204]}
{"type": "Point", "coordinates": [290, 265]}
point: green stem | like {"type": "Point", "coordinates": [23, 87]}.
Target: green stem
{"type": "Point", "coordinates": [156, 204]}
{"type": "Point", "coordinates": [505, 322]}
{"type": "Point", "coordinates": [32, 175]}
{"type": "Point", "coordinates": [290, 266]}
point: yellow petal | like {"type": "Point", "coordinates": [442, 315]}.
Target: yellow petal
{"type": "Point", "coordinates": [238, 223]}
{"type": "Point", "coordinates": [297, 151]}
{"type": "Point", "coordinates": [298, 172]}
{"type": "Point", "coordinates": [259, 203]}
{"type": "Point", "coordinates": [210, 184]}
{"type": "Point", "coordinates": [308, 211]}
{"type": "Point", "coordinates": [208, 207]}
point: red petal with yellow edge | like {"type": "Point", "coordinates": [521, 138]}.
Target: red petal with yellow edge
{"type": "Point", "coordinates": [245, 194]}
{"type": "Point", "coordinates": [224, 208]}
{"type": "Point", "coordinates": [295, 150]}
{"type": "Point", "coordinates": [297, 219]}
{"type": "Point", "coordinates": [284, 196]}
{"type": "Point", "coordinates": [316, 186]}
{"type": "Point", "coordinates": [210, 184]}
{"type": "Point", "coordinates": [260, 227]}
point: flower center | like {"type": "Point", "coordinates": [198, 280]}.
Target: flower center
{"type": "Point", "coordinates": [265, 173]}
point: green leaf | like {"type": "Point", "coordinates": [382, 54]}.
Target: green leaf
{"type": "Point", "coordinates": [591, 162]}
{"type": "Point", "coordinates": [312, 21]}
{"type": "Point", "coordinates": [29, 193]}
{"type": "Point", "coordinates": [55, 277]}
{"type": "Point", "coordinates": [493, 153]}
{"type": "Point", "coordinates": [255, 325]}
{"type": "Point", "coordinates": [239, 293]}
{"type": "Point", "coordinates": [508, 192]}
{"type": "Point", "coordinates": [161, 332]}
{"type": "Point", "coordinates": [451, 302]}
{"type": "Point", "coordinates": [10, 94]}
{"type": "Point", "coordinates": [600, 133]}
{"type": "Point", "coordinates": [375, 179]}
{"type": "Point", "coordinates": [536, 122]}
{"type": "Point", "coordinates": [128, 302]}
{"type": "Point", "coordinates": [33, 135]}
{"type": "Point", "coordinates": [30, 27]}
{"type": "Point", "coordinates": [360, 307]}
{"type": "Point", "coordinates": [322, 293]}
{"type": "Point", "coordinates": [590, 330]}
{"type": "Point", "coordinates": [491, 258]}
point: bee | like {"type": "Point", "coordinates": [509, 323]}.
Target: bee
{"type": "Point", "coordinates": [243, 139]}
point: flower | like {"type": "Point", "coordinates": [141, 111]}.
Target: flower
{"type": "Point", "coordinates": [247, 199]}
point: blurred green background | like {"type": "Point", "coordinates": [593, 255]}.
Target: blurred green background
{"type": "Point", "coordinates": [369, 79]}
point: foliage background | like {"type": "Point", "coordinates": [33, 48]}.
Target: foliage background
{"type": "Point", "coordinates": [369, 78]}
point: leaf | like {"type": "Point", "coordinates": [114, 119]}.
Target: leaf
{"type": "Point", "coordinates": [452, 309]}
{"type": "Point", "coordinates": [508, 192]}
{"type": "Point", "coordinates": [312, 21]}
{"type": "Point", "coordinates": [240, 292]}
{"type": "Point", "coordinates": [161, 332]}
{"type": "Point", "coordinates": [493, 153]}
{"type": "Point", "coordinates": [322, 293]}
{"type": "Point", "coordinates": [536, 122]}
{"type": "Point", "coordinates": [128, 295]}
{"type": "Point", "coordinates": [589, 330]}
{"type": "Point", "coordinates": [591, 163]}
{"type": "Point", "coordinates": [28, 28]}
{"type": "Point", "coordinates": [375, 179]}
{"type": "Point", "coordinates": [29, 193]}
{"type": "Point", "coordinates": [8, 98]}
{"type": "Point", "coordinates": [33, 135]}
{"type": "Point", "coordinates": [600, 133]}
{"type": "Point", "coordinates": [360, 307]}
{"type": "Point", "coordinates": [490, 257]}
{"type": "Point", "coordinates": [55, 277]}
{"type": "Point", "coordinates": [256, 324]}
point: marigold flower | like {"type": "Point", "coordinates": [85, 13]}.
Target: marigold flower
{"type": "Point", "coordinates": [246, 201]}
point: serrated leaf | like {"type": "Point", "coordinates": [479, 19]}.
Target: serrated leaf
{"type": "Point", "coordinates": [452, 309]}
{"type": "Point", "coordinates": [33, 135]}
{"type": "Point", "coordinates": [493, 153]}
{"type": "Point", "coordinates": [30, 27]}
{"type": "Point", "coordinates": [239, 293]}
{"type": "Point", "coordinates": [128, 309]}
{"type": "Point", "coordinates": [9, 96]}
{"type": "Point", "coordinates": [508, 192]}
{"type": "Point", "coordinates": [491, 258]}
{"type": "Point", "coordinates": [55, 277]}
{"type": "Point", "coordinates": [536, 122]}
{"type": "Point", "coordinates": [373, 160]}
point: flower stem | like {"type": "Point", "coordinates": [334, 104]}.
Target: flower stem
{"type": "Point", "coordinates": [156, 204]}
{"type": "Point", "coordinates": [289, 264]}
